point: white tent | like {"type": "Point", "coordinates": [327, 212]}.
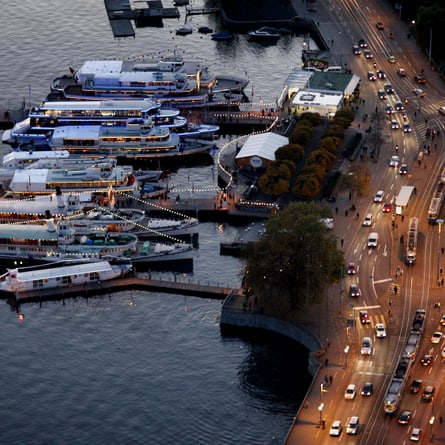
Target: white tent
{"type": "Point", "coordinates": [263, 145]}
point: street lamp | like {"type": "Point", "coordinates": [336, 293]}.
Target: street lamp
{"type": "Point", "coordinates": [440, 222]}
{"type": "Point", "coordinates": [431, 422]}
{"type": "Point", "coordinates": [346, 350]}
{"type": "Point", "coordinates": [320, 408]}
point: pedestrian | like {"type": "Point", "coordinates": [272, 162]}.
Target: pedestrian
{"type": "Point", "coordinates": [330, 382]}
{"type": "Point", "coordinates": [440, 420]}
{"type": "Point", "coordinates": [326, 362]}
{"type": "Point", "coordinates": [350, 196]}
{"type": "Point", "coordinates": [341, 242]}
{"type": "Point", "coordinates": [328, 341]}
{"type": "Point", "coordinates": [326, 379]}
{"type": "Point", "coordinates": [336, 210]}
{"type": "Point", "coordinates": [358, 215]}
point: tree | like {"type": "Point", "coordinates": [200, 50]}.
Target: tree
{"type": "Point", "coordinates": [291, 152]}
{"type": "Point", "coordinates": [292, 265]}
{"type": "Point", "coordinates": [275, 180]}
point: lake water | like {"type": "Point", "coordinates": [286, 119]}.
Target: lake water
{"type": "Point", "coordinates": [135, 367]}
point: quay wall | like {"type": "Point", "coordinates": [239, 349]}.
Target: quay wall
{"type": "Point", "coordinates": [236, 316]}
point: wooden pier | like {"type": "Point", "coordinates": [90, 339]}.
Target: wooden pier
{"type": "Point", "coordinates": [141, 281]}
{"type": "Point", "coordinates": [190, 10]}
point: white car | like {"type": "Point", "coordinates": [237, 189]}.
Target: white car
{"type": "Point", "coordinates": [394, 125]}
{"type": "Point", "coordinates": [367, 221]}
{"type": "Point", "coordinates": [352, 425]}
{"type": "Point", "coordinates": [379, 196]}
{"type": "Point", "coordinates": [351, 392]}
{"type": "Point", "coordinates": [419, 92]}
{"type": "Point", "coordinates": [366, 348]}
{"type": "Point", "coordinates": [395, 161]}
{"type": "Point", "coordinates": [335, 428]}
{"type": "Point", "coordinates": [442, 111]}
{"type": "Point", "coordinates": [416, 434]}
{"type": "Point", "coordinates": [436, 337]}
{"type": "Point", "coordinates": [380, 330]}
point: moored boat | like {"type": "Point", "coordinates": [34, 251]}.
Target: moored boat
{"type": "Point", "coordinates": [264, 34]}
{"type": "Point", "coordinates": [222, 36]}
{"type": "Point", "coordinates": [34, 279]}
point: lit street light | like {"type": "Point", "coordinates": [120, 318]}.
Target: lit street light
{"type": "Point", "coordinates": [320, 408]}
{"type": "Point", "coordinates": [431, 422]}
{"type": "Point", "coordinates": [346, 356]}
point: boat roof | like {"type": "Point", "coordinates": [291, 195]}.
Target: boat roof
{"type": "Point", "coordinates": [62, 271]}
{"type": "Point", "coordinates": [28, 232]}
{"type": "Point", "coordinates": [133, 104]}
{"type": "Point", "coordinates": [76, 131]}
{"type": "Point", "coordinates": [35, 155]}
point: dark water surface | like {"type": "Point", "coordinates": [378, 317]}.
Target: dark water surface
{"type": "Point", "coordinates": [135, 367]}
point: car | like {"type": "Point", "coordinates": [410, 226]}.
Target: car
{"type": "Point", "coordinates": [366, 348]}
{"type": "Point", "coordinates": [351, 268]}
{"type": "Point", "coordinates": [388, 88]}
{"type": "Point", "coordinates": [399, 106]}
{"type": "Point", "coordinates": [436, 337]}
{"type": "Point", "coordinates": [415, 386]}
{"type": "Point", "coordinates": [351, 392]}
{"type": "Point", "coordinates": [380, 26]}
{"type": "Point", "coordinates": [405, 417]}
{"type": "Point", "coordinates": [407, 128]}
{"type": "Point", "coordinates": [419, 92]}
{"type": "Point", "coordinates": [362, 43]}
{"type": "Point", "coordinates": [391, 59]}
{"type": "Point", "coordinates": [381, 94]}
{"type": "Point", "coordinates": [419, 79]}
{"type": "Point", "coordinates": [426, 359]}
{"type": "Point", "coordinates": [387, 207]}
{"type": "Point", "coordinates": [364, 317]}
{"type": "Point", "coordinates": [354, 291]}
{"type": "Point", "coordinates": [394, 125]}
{"type": "Point", "coordinates": [442, 111]}
{"type": "Point", "coordinates": [367, 221]}
{"type": "Point", "coordinates": [443, 352]}
{"type": "Point", "coordinates": [367, 390]}
{"type": "Point", "coordinates": [371, 76]}
{"type": "Point", "coordinates": [368, 54]}
{"type": "Point", "coordinates": [428, 393]}
{"type": "Point", "coordinates": [416, 434]}
{"type": "Point", "coordinates": [336, 428]}
{"type": "Point", "coordinates": [401, 72]}
{"type": "Point", "coordinates": [394, 161]}
{"type": "Point", "coordinates": [389, 109]}
{"type": "Point", "coordinates": [352, 425]}
{"type": "Point", "coordinates": [403, 170]}
{"type": "Point", "coordinates": [356, 50]}
{"type": "Point", "coordinates": [442, 320]}
{"type": "Point", "coordinates": [379, 196]}
{"type": "Point", "coordinates": [381, 74]}
{"type": "Point", "coordinates": [380, 330]}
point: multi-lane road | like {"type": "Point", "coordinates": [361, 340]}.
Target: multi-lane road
{"type": "Point", "coordinates": [380, 270]}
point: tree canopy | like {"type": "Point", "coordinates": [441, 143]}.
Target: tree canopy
{"type": "Point", "coordinates": [292, 265]}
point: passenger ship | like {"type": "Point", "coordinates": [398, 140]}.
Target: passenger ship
{"type": "Point", "coordinates": [41, 121]}
{"type": "Point", "coordinates": [139, 139]}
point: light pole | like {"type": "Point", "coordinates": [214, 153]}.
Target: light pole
{"type": "Point", "coordinates": [431, 45]}
{"type": "Point", "coordinates": [320, 408]}
{"type": "Point", "coordinates": [346, 350]}
{"type": "Point", "coordinates": [431, 422]}
{"type": "Point", "coordinates": [440, 222]}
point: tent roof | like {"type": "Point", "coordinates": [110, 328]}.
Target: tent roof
{"type": "Point", "coordinates": [263, 145]}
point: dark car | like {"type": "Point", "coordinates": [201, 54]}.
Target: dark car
{"type": "Point", "coordinates": [416, 384]}
{"type": "Point", "coordinates": [404, 417]}
{"type": "Point", "coordinates": [356, 50]}
{"type": "Point", "coordinates": [442, 320]}
{"type": "Point", "coordinates": [428, 393]}
{"type": "Point", "coordinates": [371, 76]}
{"type": "Point", "coordinates": [367, 390]}
{"type": "Point", "coordinates": [351, 269]}
{"type": "Point", "coordinates": [388, 88]}
{"type": "Point", "coordinates": [381, 74]}
{"type": "Point", "coordinates": [362, 43]}
{"type": "Point", "coordinates": [364, 317]}
{"type": "Point", "coordinates": [354, 291]}
{"type": "Point", "coordinates": [420, 79]}
{"type": "Point", "coordinates": [426, 359]}
{"type": "Point", "coordinates": [380, 26]}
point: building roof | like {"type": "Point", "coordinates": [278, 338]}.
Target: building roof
{"type": "Point", "coordinates": [317, 99]}
{"type": "Point", "coordinates": [263, 145]}
{"type": "Point", "coordinates": [329, 81]}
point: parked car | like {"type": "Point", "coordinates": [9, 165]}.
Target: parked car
{"type": "Point", "coordinates": [367, 390]}
{"type": "Point", "coordinates": [405, 417]}
{"type": "Point", "coordinates": [352, 425]}
{"type": "Point", "coordinates": [415, 386]}
{"type": "Point", "coordinates": [364, 317]}
{"type": "Point", "coordinates": [351, 392]}
{"type": "Point", "coordinates": [380, 330]}
{"type": "Point", "coordinates": [336, 428]}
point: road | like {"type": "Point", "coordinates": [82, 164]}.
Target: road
{"type": "Point", "coordinates": [390, 291]}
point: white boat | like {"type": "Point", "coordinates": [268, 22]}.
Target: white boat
{"type": "Point", "coordinates": [264, 34]}
{"type": "Point", "coordinates": [139, 139]}
{"type": "Point", "coordinates": [52, 242]}
{"type": "Point", "coordinates": [37, 128]}
{"type": "Point", "coordinates": [184, 30]}
{"type": "Point", "coordinates": [100, 176]}
{"type": "Point", "coordinates": [31, 279]}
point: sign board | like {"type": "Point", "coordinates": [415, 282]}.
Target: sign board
{"type": "Point", "coordinates": [256, 162]}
